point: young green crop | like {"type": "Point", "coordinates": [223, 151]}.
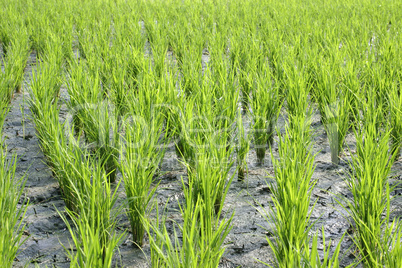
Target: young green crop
{"type": "Point", "coordinates": [11, 212]}
{"type": "Point", "coordinates": [17, 57]}
{"type": "Point", "coordinates": [45, 85]}
{"type": "Point", "coordinates": [297, 93]}
{"type": "Point", "coordinates": [312, 258]}
{"type": "Point", "coordinates": [140, 158]}
{"type": "Point", "coordinates": [368, 183]}
{"type": "Point", "coordinates": [292, 194]}
{"type": "Point", "coordinates": [245, 58]}
{"type": "Point", "coordinates": [266, 105]}
{"type": "Point", "coordinates": [101, 131]}
{"type": "Point", "coordinates": [211, 169]}
{"type": "Point", "coordinates": [95, 116]}
{"type": "Point", "coordinates": [202, 232]}
{"type": "Point", "coordinates": [83, 89]}
{"type": "Point", "coordinates": [93, 223]}
{"type": "Point", "coordinates": [334, 106]}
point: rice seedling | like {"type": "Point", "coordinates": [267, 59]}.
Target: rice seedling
{"type": "Point", "coordinates": [14, 64]}
{"type": "Point", "coordinates": [11, 211]}
{"type": "Point", "coordinates": [292, 194]}
{"type": "Point", "coordinates": [83, 90]}
{"type": "Point", "coordinates": [210, 172]}
{"type": "Point", "coordinates": [185, 123]}
{"type": "Point", "coordinates": [118, 91]}
{"type": "Point", "coordinates": [5, 35]}
{"type": "Point", "coordinates": [312, 258]}
{"type": "Point", "coordinates": [246, 81]}
{"type": "Point", "coordinates": [159, 49]}
{"type": "Point", "coordinates": [95, 116]}
{"type": "Point", "coordinates": [140, 157]}
{"type": "Point", "coordinates": [297, 93]}
{"type": "Point", "coordinates": [225, 99]}
{"type": "Point", "coordinates": [393, 233]}
{"type": "Point", "coordinates": [92, 226]}
{"type": "Point", "coordinates": [351, 88]}
{"type": "Point", "coordinates": [202, 235]}
{"type": "Point", "coordinates": [334, 107]}
{"type": "Point", "coordinates": [368, 183]}
{"type": "Point", "coordinates": [45, 85]}
{"type": "Point", "coordinates": [17, 57]}
{"type": "Point", "coordinates": [3, 112]}
{"type": "Point", "coordinates": [102, 130]}
{"type": "Point", "coordinates": [266, 105]}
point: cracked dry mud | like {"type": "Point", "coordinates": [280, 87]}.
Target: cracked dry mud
{"type": "Point", "coordinates": [246, 243]}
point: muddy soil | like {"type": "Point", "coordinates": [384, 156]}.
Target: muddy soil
{"type": "Point", "coordinates": [246, 244]}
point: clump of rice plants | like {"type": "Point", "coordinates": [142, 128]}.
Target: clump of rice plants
{"type": "Point", "coordinates": [94, 115]}
{"type": "Point", "coordinates": [265, 110]}
{"type": "Point", "coordinates": [197, 242]}
{"type": "Point", "coordinates": [297, 93]}
{"type": "Point", "coordinates": [311, 257]}
{"type": "Point", "coordinates": [14, 64]}
{"type": "Point", "coordinates": [334, 107]}
{"type": "Point", "coordinates": [17, 57]}
{"type": "Point", "coordinates": [92, 226]}
{"type": "Point", "coordinates": [394, 257]}
{"type": "Point", "coordinates": [11, 212]}
{"type": "Point", "coordinates": [292, 194]}
{"type": "Point", "coordinates": [245, 55]}
{"type": "Point", "coordinates": [210, 172]}
{"type": "Point", "coordinates": [368, 183]}
{"type": "Point", "coordinates": [45, 86]}
{"type": "Point", "coordinates": [101, 131]}
{"type": "Point", "coordinates": [140, 157]}
{"type": "Point", "coordinates": [187, 124]}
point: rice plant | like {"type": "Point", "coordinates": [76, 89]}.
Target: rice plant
{"type": "Point", "coordinates": [292, 194]}
{"type": "Point", "coordinates": [209, 177]}
{"type": "Point", "coordinates": [101, 131]}
{"type": "Point", "coordinates": [140, 158]}
{"type": "Point", "coordinates": [334, 106]}
{"type": "Point", "coordinates": [312, 258]}
{"type": "Point", "coordinates": [92, 226]}
{"type": "Point", "coordinates": [266, 105]}
{"type": "Point", "coordinates": [11, 211]}
{"type": "Point", "coordinates": [368, 183]}
{"type": "Point", "coordinates": [197, 242]}
{"type": "Point", "coordinates": [17, 57]}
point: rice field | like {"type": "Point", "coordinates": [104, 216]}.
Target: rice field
{"type": "Point", "coordinates": [205, 133]}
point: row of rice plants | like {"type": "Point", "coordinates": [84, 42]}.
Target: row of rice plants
{"type": "Point", "coordinates": [13, 205]}
{"type": "Point", "coordinates": [90, 202]}
{"type": "Point", "coordinates": [205, 149]}
{"type": "Point", "coordinates": [15, 56]}
{"type": "Point", "coordinates": [377, 236]}
{"type": "Point", "coordinates": [112, 72]}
